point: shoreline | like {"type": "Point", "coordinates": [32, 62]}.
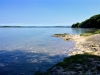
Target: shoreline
{"type": "Point", "coordinates": [84, 44]}
{"type": "Point", "coordinates": [85, 60]}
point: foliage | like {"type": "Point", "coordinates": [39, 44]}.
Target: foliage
{"type": "Point", "coordinates": [90, 33]}
{"type": "Point", "coordinates": [86, 34]}
{"type": "Point", "coordinates": [92, 22]}
{"type": "Point", "coordinates": [97, 32]}
{"type": "Point", "coordinates": [76, 25]}
{"type": "Point", "coordinates": [77, 59]}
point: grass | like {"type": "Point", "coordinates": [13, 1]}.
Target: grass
{"type": "Point", "coordinates": [90, 33]}
{"type": "Point", "coordinates": [85, 61]}
{"type": "Point", "coordinates": [57, 35]}
{"type": "Point", "coordinates": [70, 63]}
{"type": "Point", "coordinates": [79, 58]}
{"type": "Point", "coordinates": [86, 34]}
{"type": "Point", "coordinates": [97, 32]}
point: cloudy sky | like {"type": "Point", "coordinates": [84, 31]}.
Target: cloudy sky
{"type": "Point", "coordinates": [46, 12]}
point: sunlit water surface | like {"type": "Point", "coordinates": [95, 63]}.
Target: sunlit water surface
{"type": "Point", "coordinates": [23, 51]}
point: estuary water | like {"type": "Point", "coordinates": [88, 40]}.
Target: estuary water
{"type": "Point", "coordinates": [23, 51]}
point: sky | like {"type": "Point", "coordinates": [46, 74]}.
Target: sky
{"type": "Point", "coordinates": [47, 12]}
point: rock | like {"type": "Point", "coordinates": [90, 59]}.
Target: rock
{"type": "Point", "coordinates": [57, 70]}
{"type": "Point", "coordinates": [94, 49]}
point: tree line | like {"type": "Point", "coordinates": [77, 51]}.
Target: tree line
{"type": "Point", "coordinates": [92, 22]}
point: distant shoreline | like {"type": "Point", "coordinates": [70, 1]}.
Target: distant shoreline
{"type": "Point", "coordinates": [35, 26]}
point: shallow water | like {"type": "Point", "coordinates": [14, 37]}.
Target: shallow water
{"type": "Point", "coordinates": [23, 51]}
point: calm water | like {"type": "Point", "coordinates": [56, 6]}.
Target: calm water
{"type": "Point", "coordinates": [23, 51]}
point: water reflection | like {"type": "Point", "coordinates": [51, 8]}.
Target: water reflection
{"type": "Point", "coordinates": [81, 30]}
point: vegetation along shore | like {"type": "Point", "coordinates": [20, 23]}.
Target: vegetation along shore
{"type": "Point", "coordinates": [92, 22]}
{"type": "Point", "coordinates": [85, 60]}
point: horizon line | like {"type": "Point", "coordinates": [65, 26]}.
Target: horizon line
{"type": "Point", "coordinates": [35, 26]}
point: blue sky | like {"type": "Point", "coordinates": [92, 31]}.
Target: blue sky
{"type": "Point", "coordinates": [46, 12]}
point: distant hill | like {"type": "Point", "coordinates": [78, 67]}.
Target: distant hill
{"type": "Point", "coordinates": [92, 22]}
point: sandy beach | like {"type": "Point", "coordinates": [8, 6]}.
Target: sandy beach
{"type": "Point", "coordinates": [84, 44]}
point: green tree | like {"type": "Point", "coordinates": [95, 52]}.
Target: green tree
{"type": "Point", "coordinates": [92, 22]}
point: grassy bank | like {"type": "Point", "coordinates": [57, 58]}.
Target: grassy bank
{"type": "Point", "coordinates": [80, 64]}
{"type": "Point", "coordinates": [89, 33]}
